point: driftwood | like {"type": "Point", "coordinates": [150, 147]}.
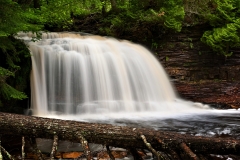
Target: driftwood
{"type": "Point", "coordinates": [158, 142]}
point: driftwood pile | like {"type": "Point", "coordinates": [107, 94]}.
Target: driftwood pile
{"type": "Point", "coordinates": [162, 144]}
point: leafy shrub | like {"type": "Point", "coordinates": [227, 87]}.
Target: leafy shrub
{"type": "Point", "coordinates": [225, 20]}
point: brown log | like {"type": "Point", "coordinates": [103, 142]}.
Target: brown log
{"type": "Point", "coordinates": [118, 136]}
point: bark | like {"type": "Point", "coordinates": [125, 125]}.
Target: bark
{"type": "Point", "coordinates": [23, 146]}
{"type": "Point", "coordinates": [54, 147]}
{"type": "Point", "coordinates": [114, 5]}
{"type": "Point", "coordinates": [109, 135]}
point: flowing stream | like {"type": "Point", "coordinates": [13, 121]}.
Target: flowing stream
{"type": "Point", "coordinates": [104, 80]}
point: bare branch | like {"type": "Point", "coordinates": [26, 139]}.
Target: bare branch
{"type": "Point", "coordinates": [188, 151]}
{"type": "Point", "coordinates": [23, 146]}
{"type": "Point", "coordinates": [110, 153]}
{"type": "Point", "coordinates": [149, 146]}
{"type": "Point", "coordinates": [35, 148]}
{"type": "Point", "coordinates": [1, 157]}
{"type": "Point", "coordinates": [85, 146]}
{"type": "Point", "coordinates": [54, 147]}
{"type": "Point", "coordinates": [6, 152]}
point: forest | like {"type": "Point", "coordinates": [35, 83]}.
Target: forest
{"type": "Point", "coordinates": [117, 18]}
{"type": "Point", "coordinates": [156, 24]}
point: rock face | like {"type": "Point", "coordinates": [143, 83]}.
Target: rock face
{"type": "Point", "coordinates": [185, 57]}
{"type": "Point", "coordinates": [198, 73]}
{"type": "Point", "coordinates": [219, 94]}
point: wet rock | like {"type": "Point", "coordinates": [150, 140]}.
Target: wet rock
{"type": "Point", "coordinates": [219, 94]}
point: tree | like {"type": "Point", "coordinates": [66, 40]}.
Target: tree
{"type": "Point", "coordinates": [14, 18]}
{"type": "Point", "coordinates": [225, 20]}
{"type": "Point", "coordinates": [114, 5]}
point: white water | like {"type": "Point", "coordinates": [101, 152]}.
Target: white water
{"type": "Point", "coordinates": [92, 77]}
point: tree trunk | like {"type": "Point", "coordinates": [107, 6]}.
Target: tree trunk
{"type": "Point", "coordinates": [118, 136]}
{"type": "Point", "coordinates": [114, 5]}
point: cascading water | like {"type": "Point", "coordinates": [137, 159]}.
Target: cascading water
{"type": "Point", "coordinates": [80, 75]}
{"type": "Point", "coordinates": [91, 78]}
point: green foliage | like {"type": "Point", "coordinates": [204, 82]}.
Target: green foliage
{"type": "Point", "coordinates": [9, 92]}
{"type": "Point", "coordinates": [196, 11]}
{"type": "Point", "coordinates": [153, 18]}
{"type": "Point", "coordinates": [154, 45]}
{"type": "Point", "coordinates": [13, 54]}
{"type": "Point", "coordinates": [224, 13]}
{"type": "Point", "coordinates": [167, 58]}
{"type": "Point", "coordinates": [174, 14]}
{"type": "Point", "coordinates": [191, 45]}
{"type": "Point", "coordinates": [14, 18]}
{"type": "Point", "coordinates": [58, 13]}
{"type": "Point", "coordinates": [226, 22]}
{"type": "Point", "coordinates": [220, 39]}
{"type": "Point", "coordinates": [168, 13]}
{"type": "Point", "coordinates": [5, 73]}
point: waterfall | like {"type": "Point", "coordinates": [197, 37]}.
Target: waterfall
{"type": "Point", "coordinates": [75, 74]}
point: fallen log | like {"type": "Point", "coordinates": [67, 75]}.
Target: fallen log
{"type": "Point", "coordinates": [118, 136]}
